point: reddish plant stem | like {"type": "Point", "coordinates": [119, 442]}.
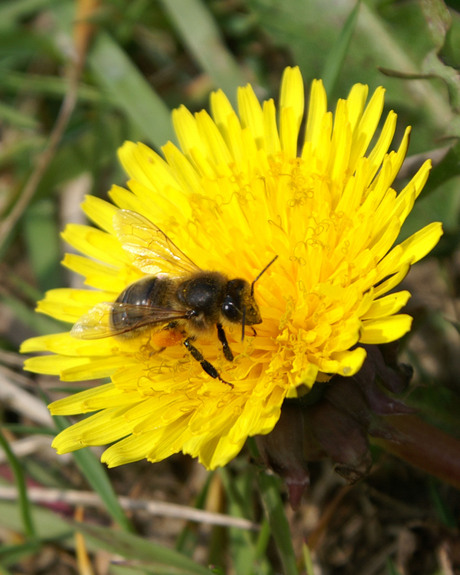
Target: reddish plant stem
{"type": "Point", "coordinates": [425, 447]}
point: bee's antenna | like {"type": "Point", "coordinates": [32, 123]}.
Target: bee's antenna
{"type": "Point", "coordinates": [243, 323]}
{"type": "Point", "coordinates": [262, 272]}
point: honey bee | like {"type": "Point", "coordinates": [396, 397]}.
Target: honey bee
{"type": "Point", "coordinates": [179, 304]}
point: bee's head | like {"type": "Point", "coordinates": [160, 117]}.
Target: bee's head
{"type": "Point", "coordinates": [239, 305]}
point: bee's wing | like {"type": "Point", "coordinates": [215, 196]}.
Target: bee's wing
{"type": "Point", "coordinates": [99, 322]}
{"type": "Point", "coordinates": [154, 251]}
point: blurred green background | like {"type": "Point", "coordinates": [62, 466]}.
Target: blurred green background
{"type": "Point", "coordinates": [143, 59]}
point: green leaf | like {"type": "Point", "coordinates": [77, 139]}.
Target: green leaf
{"type": "Point", "coordinates": [13, 554]}
{"type": "Point", "coordinates": [123, 570]}
{"type": "Point", "coordinates": [311, 29]}
{"type": "Point", "coordinates": [202, 36]}
{"type": "Point", "coordinates": [443, 510]}
{"type": "Point", "coordinates": [438, 19]}
{"type": "Point", "coordinates": [336, 57]}
{"type": "Point", "coordinates": [391, 567]}
{"type": "Point", "coordinates": [446, 169]}
{"type": "Point", "coordinates": [13, 10]}
{"type": "Point", "coordinates": [97, 477]}
{"type": "Point", "coordinates": [309, 568]}
{"type": "Point", "coordinates": [238, 489]}
{"type": "Point", "coordinates": [49, 525]}
{"type": "Point", "coordinates": [41, 234]}
{"type": "Point", "coordinates": [138, 548]}
{"type": "Point", "coordinates": [117, 74]}
{"type": "Point", "coordinates": [19, 44]}
{"type": "Point", "coordinates": [24, 504]}
{"type": "Point", "coordinates": [43, 85]}
{"type": "Point", "coordinates": [20, 152]}
{"type": "Point", "coordinates": [123, 83]}
{"type": "Point", "coordinates": [274, 509]}
{"type": "Point", "coordinates": [16, 118]}
{"type": "Point", "coordinates": [433, 66]}
{"type": "Point", "coordinates": [90, 149]}
{"type": "Point", "coordinates": [37, 323]}
{"type": "Point", "coordinates": [189, 536]}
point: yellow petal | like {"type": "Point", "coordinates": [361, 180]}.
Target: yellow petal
{"type": "Point", "coordinates": [386, 329]}
{"type": "Point", "coordinates": [388, 305]}
{"type": "Point", "coordinates": [251, 114]}
{"type": "Point", "coordinates": [421, 243]}
{"type": "Point", "coordinates": [317, 109]}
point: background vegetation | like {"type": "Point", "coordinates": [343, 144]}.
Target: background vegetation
{"type": "Point", "coordinates": [72, 89]}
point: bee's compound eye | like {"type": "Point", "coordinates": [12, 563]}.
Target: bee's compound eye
{"type": "Point", "coordinates": [230, 310]}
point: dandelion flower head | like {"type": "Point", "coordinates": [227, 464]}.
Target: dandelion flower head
{"type": "Point", "coordinates": [241, 189]}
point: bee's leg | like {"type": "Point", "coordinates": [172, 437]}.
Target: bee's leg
{"type": "Point", "coordinates": [206, 365]}
{"type": "Point", "coordinates": [223, 340]}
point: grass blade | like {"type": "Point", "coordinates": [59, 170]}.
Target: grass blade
{"type": "Point", "coordinates": [274, 509]}
{"type": "Point", "coordinates": [26, 513]}
{"type": "Point", "coordinates": [41, 234]}
{"type": "Point", "coordinates": [138, 548]}
{"type": "Point", "coordinates": [96, 475]}
{"type": "Point", "coordinates": [200, 33]}
{"type": "Point", "coordinates": [334, 62]}
{"type": "Point", "coordinates": [130, 91]}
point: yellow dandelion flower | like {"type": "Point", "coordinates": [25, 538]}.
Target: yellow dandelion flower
{"type": "Point", "coordinates": [241, 190]}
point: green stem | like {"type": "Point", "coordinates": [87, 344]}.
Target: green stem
{"type": "Point", "coordinates": [275, 512]}
{"type": "Point", "coordinates": [425, 447]}
{"type": "Point", "coordinates": [24, 504]}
